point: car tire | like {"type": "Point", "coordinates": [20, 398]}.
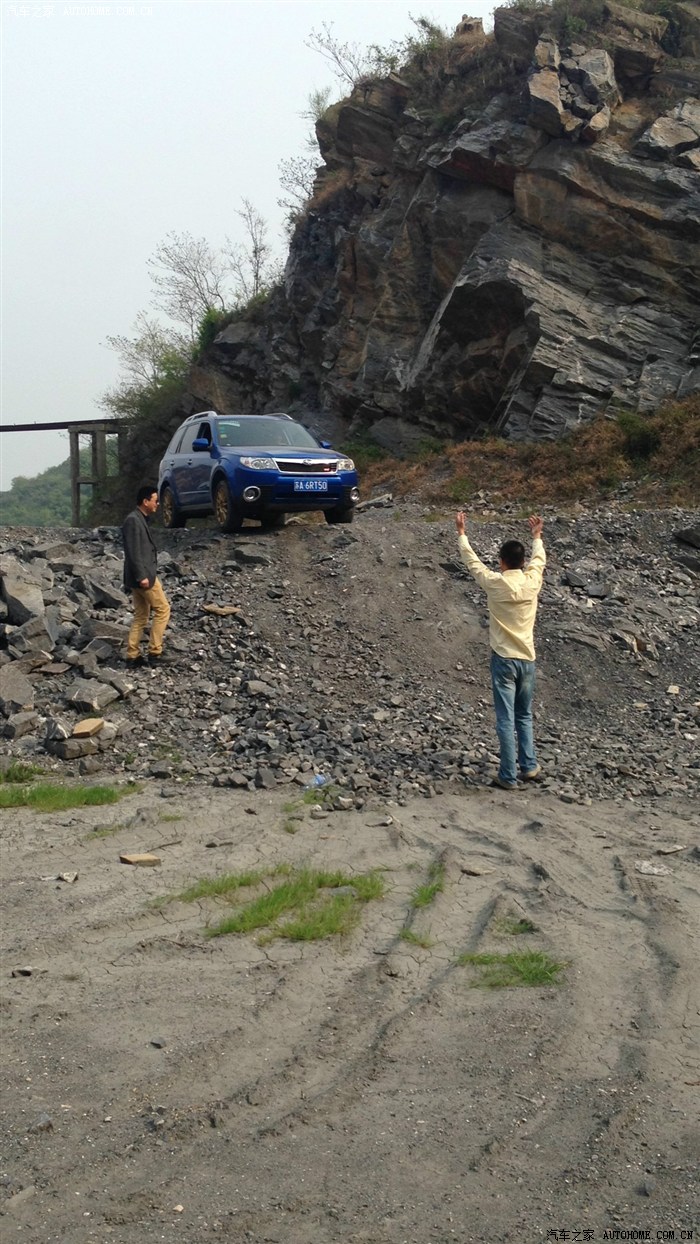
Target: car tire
{"type": "Point", "coordinates": [226, 512]}
{"type": "Point", "coordinates": [273, 519]}
{"type": "Point", "coordinates": [171, 513]}
{"type": "Point", "coordinates": [339, 516]}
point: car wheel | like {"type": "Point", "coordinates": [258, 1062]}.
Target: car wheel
{"type": "Point", "coordinates": [339, 516]}
{"type": "Point", "coordinates": [272, 520]}
{"type": "Point", "coordinates": [226, 512]}
{"type": "Point", "coordinates": [171, 514]}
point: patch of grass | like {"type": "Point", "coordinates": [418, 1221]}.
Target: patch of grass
{"type": "Point", "coordinates": [512, 927]}
{"type": "Point", "coordinates": [19, 771]}
{"type": "Point", "coordinates": [102, 831]}
{"type": "Point", "coordinates": [423, 895]}
{"type": "Point", "coordinates": [49, 797]}
{"type": "Point", "coordinates": [299, 907]}
{"type": "Point", "coordinates": [335, 914]}
{"type": "Point", "coordinates": [169, 818]}
{"type": "Point", "coordinates": [416, 939]}
{"type": "Point", "coordinates": [641, 437]}
{"type": "Point", "coordinates": [214, 887]}
{"type": "Point", "coordinates": [363, 452]}
{"type": "Point", "coordinates": [589, 462]}
{"type": "Point", "coordinates": [530, 967]}
{"type": "Point", "coordinates": [459, 489]}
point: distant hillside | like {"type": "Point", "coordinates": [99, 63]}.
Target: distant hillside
{"type": "Point", "coordinates": [43, 501]}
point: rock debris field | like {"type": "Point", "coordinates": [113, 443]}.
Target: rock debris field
{"type": "Point", "coordinates": [167, 1084]}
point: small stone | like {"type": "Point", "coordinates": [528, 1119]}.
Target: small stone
{"type": "Point", "coordinates": [649, 869]}
{"type": "Point", "coordinates": [42, 1123]}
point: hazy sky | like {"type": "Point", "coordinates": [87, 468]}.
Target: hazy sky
{"type": "Point", "coordinates": [123, 123]}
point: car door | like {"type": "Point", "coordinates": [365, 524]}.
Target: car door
{"type": "Point", "coordinates": [191, 469]}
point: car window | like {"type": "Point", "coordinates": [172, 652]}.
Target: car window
{"type": "Point", "coordinates": [261, 432]}
{"type": "Point", "coordinates": [193, 431]}
{"type": "Point", "coordinates": [176, 440]}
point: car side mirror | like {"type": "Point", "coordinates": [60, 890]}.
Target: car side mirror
{"type": "Point", "coordinates": [200, 445]}
{"type": "Point", "coordinates": [325, 444]}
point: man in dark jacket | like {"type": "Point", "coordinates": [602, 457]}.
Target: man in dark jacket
{"type": "Point", "coordinates": [141, 579]}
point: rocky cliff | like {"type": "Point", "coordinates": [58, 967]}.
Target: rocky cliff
{"type": "Point", "coordinates": [509, 243]}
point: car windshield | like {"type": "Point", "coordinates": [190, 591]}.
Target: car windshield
{"type": "Point", "coordinates": [260, 432]}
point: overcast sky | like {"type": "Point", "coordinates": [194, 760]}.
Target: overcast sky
{"type": "Point", "coordinates": [123, 123]}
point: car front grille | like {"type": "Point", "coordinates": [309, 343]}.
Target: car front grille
{"type": "Point", "coordinates": [306, 466]}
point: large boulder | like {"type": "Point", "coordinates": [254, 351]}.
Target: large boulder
{"type": "Point", "coordinates": [21, 591]}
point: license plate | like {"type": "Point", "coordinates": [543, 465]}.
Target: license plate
{"type": "Point", "coordinates": [311, 485]}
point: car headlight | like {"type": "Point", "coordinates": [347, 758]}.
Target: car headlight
{"type": "Point", "coordinates": [345, 464]}
{"type": "Point", "coordinates": [259, 464]}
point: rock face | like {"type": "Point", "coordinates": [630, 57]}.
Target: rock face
{"type": "Point", "coordinates": [515, 256]}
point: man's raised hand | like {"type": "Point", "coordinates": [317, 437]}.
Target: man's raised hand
{"type": "Point", "coordinates": [460, 523]}
{"type": "Point", "coordinates": [536, 525]}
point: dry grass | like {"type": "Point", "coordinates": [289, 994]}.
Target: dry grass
{"type": "Point", "coordinates": [659, 455]}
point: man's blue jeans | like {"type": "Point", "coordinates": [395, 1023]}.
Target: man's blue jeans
{"type": "Point", "coordinates": [513, 688]}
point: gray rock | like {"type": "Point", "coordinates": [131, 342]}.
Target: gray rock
{"type": "Point", "coordinates": [20, 724]}
{"type": "Point", "coordinates": [16, 691]}
{"type": "Point", "coordinates": [20, 591]}
{"type": "Point", "coordinates": [90, 695]}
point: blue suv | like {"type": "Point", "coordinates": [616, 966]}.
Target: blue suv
{"type": "Point", "coordinates": [252, 466]}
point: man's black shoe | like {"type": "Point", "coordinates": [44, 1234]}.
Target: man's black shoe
{"type": "Point", "coordinates": [133, 663]}
{"type": "Point", "coordinates": [155, 660]}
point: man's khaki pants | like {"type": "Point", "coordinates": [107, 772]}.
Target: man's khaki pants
{"type": "Point", "coordinates": [147, 601]}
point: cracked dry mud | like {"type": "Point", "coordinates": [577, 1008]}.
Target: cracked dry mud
{"type": "Point", "coordinates": [361, 1090]}
{"type": "Point", "coordinates": [161, 1085]}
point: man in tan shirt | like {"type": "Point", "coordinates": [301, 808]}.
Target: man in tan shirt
{"type": "Point", "coordinates": [512, 594]}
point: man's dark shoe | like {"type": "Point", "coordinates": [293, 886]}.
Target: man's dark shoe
{"type": "Point", "coordinates": [156, 660]}
{"type": "Point", "coordinates": [133, 663]}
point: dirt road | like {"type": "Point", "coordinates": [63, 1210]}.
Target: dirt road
{"type": "Point", "coordinates": [162, 1085]}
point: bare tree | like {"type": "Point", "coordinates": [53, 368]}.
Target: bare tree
{"type": "Point", "coordinates": [349, 62]}
{"type": "Point", "coordinates": [297, 176]}
{"type": "Point", "coordinates": [190, 279]}
{"type": "Point", "coordinates": [252, 263]}
{"type": "Point", "coordinates": [151, 356]}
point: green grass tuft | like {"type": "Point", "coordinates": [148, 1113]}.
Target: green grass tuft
{"type": "Point", "coordinates": [299, 907]}
{"type": "Point", "coordinates": [416, 939]}
{"type": "Point", "coordinates": [103, 831]}
{"type": "Point", "coordinates": [513, 927]}
{"type": "Point", "coordinates": [19, 771]}
{"type": "Point", "coordinates": [48, 797]}
{"type": "Point", "coordinates": [423, 895]}
{"type": "Point", "coordinates": [214, 887]}
{"type": "Point", "coordinates": [531, 967]}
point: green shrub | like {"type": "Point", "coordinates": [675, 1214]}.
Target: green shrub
{"type": "Point", "coordinates": [641, 440]}
{"type": "Point", "coordinates": [210, 325]}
